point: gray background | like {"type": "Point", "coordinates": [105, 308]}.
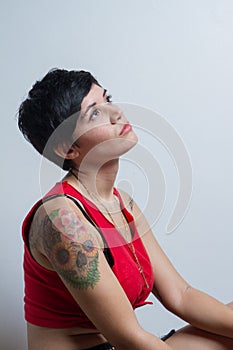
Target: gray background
{"type": "Point", "coordinates": [174, 57]}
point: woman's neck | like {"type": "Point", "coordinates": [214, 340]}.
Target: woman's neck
{"type": "Point", "coordinates": [99, 182]}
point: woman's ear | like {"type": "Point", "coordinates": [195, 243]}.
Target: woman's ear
{"type": "Point", "coordinates": [67, 151]}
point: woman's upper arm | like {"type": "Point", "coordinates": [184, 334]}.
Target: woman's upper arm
{"type": "Point", "coordinates": [74, 251]}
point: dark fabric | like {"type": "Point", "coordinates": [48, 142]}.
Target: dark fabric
{"type": "Point", "coordinates": [166, 336]}
{"type": "Point", "coordinates": [103, 346]}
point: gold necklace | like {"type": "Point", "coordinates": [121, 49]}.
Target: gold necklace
{"type": "Point", "coordinates": [129, 244]}
{"type": "Point", "coordinates": [95, 198]}
{"type": "Point", "coordinates": [140, 268]}
{"type": "Point", "coordinates": [126, 226]}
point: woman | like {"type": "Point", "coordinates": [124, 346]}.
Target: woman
{"type": "Point", "coordinates": [90, 257]}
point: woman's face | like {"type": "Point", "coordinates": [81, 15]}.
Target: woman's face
{"type": "Point", "coordinates": [102, 128]}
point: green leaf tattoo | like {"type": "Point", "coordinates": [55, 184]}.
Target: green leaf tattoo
{"type": "Point", "coordinates": [54, 214]}
{"type": "Point", "coordinates": [71, 249]}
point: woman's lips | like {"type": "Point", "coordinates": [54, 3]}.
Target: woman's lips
{"type": "Point", "coordinates": [126, 128]}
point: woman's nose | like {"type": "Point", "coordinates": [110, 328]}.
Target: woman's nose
{"type": "Point", "coordinates": [115, 114]}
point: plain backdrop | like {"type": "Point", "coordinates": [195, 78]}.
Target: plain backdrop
{"type": "Point", "coordinates": [171, 56]}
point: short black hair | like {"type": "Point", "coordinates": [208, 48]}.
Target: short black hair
{"type": "Point", "coordinates": [49, 103]}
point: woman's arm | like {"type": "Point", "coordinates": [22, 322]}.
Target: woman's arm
{"type": "Point", "coordinates": [193, 306]}
{"type": "Point", "coordinates": [207, 313]}
{"type": "Point", "coordinates": [73, 250]}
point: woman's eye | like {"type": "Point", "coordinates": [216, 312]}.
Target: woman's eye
{"type": "Point", "coordinates": [94, 114]}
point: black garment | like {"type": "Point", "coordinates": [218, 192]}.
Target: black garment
{"type": "Point", "coordinates": [166, 336]}
{"type": "Point", "coordinates": [103, 346]}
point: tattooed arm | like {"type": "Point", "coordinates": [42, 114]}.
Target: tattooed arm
{"type": "Point", "coordinates": [72, 248]}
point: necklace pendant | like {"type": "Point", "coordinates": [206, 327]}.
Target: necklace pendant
{"type": "Point", "coordinates": [140, 268]}
{"type": "Point", "coordinates": [144, 277]}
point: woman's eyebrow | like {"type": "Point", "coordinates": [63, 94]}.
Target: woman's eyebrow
{"type": "Point", "coordinates": [87, 109]}
{"type": "Point", "coordinates": [92, 104]}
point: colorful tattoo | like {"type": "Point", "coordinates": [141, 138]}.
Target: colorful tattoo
{"type": "Point", "coordinates": [35, 228]}
{"type": "Point", "coordinates": [131, 203]}
{"type": "Point", "coordinates": [71, 249]}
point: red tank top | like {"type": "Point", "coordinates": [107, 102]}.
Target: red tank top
{"type": "Point", "coordinates": [47, 301]}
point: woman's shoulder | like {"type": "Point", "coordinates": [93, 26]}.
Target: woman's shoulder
{"type": "Point", "coordinates": [127, 200]}
{"type": "Point", "coordinates": [61, 219]}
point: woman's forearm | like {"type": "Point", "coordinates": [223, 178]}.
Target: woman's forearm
{"type": "Point", "coordinates": [204, 312]}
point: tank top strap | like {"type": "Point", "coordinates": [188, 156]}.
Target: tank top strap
{"type": "Point", "coordinates": [96, 215]}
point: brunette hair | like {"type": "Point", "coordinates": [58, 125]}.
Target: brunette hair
{"type": "Point", "coordinates": [49, 104]}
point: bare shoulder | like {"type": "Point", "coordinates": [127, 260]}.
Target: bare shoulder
{"type": "Point", "coordinates": [139, 218]}
{"type": "Point", "coordinates": [127, 200]}
{"type": "Point", "coordinates": [61, 239]}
